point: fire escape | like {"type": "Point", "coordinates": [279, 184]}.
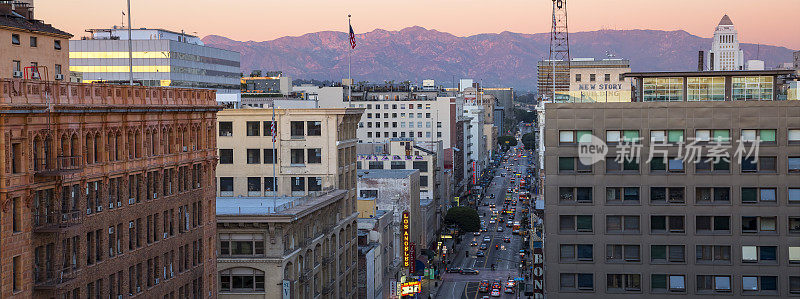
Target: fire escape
{"type": "Point", "coordinates": [51, 221]}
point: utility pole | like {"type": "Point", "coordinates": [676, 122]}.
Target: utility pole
{"type": "Point", "coordinates": [130, 46]}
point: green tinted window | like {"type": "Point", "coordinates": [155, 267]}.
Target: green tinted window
{"type": "Point", "coordinates": [767, 135]}
{"type": "Point", "coordinates": [657, 163]}
{"type": "Point", "coordinates": [630, 164]}
{"type": "Point", "coordinates": [630, 135]}
{"type": "Point", "coordinates": [566, 163]}
{"type": "Point", "coordinates": [722, 135]}
{"type": "Point", "coordinates": [675, 136]}
{"type": "Point", "coordinates": [749, 195]}
{"type": "Point", "coordinates": [583, 136]}
{"type": "Point", "coordinates": [658, 252]}
{"type": "Point", "coordinates": [722, 165]}
{"type": "Point", "coordinates": [658, 281]}
{"type": "Point", "coordinates": [584, 222]}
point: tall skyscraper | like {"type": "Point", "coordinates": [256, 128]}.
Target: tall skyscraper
{"type": "Point", "coordinates": [725, 54]}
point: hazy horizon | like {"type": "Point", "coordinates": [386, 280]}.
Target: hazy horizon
{"type": "Point", "coordinates": [265, 20]}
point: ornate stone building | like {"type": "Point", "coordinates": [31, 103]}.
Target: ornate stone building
{"type": "Point", "coordinates": [106, 191]}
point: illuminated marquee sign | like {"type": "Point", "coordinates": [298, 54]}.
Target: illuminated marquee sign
{"type": "Point", "coordinates": [409, 288]}
{"type": "Point", "coordinates": [474, 170]}
{"type": "Point", "coordinates": [406, 231]}
{"type": "Point", "coordinates": [538, 273]}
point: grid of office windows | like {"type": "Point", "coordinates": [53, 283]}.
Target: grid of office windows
{"type": "Point", "coordinates": [662, 89]}
{"type": "Point", "coordinates": [752, 88]}
{"type": "Point", "coordinates": [705, 89]}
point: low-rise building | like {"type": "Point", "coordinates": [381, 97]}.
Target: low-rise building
{"type": "Point", "coordinates": [27, 42]}
{"type": "Point", "coordinates": [395, 190]}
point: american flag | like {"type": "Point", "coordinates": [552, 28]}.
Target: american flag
{"type": "Point", "coordinates": [352, 36]}
{"type": "Point", "coordinates": [272, 126]}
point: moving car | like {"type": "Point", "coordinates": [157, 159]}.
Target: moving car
{"type": "Point", "coordinates": [510, 283]}
{"type": "Point", "coordinates": [499, 229]}
{"type": "Point", "coordinates": [453, 270]}
{"type": "Point", "coordinates": [484, 246]}
{"type": "Point", "coordinates": [496, 293]}
{"type": "Point", "coordinates": [480, 253]}
{"type": "Point", "coordinates": [473, 244]}
{"type": "Point", "coordinates": [507, 240]}
{"type": "Point", "coordinates": [483, 287]}
{"type": "Point", "coordinates": [478, 233]}
{"type": "Point", "coordinates": [509, 290]}
{"type": "Point", "coordinates": [487, 239]}
{"type": "Point", "coordinates": [469, 271]}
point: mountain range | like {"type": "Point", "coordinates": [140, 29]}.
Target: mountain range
{"type": "Point", "coordinates": [496, 59]}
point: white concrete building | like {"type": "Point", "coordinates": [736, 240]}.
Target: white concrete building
{"type": "Point", "coordinates": [326, 96]}
{"type": "Point", "coordinates": [475, 145]}
{"type": "Point", "coordinates": [725, 54]}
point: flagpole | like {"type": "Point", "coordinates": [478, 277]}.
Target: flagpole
{"type": "Point", "coordinates": [349, 62]}
{"type": "Point", "coordinates": [274, 161]}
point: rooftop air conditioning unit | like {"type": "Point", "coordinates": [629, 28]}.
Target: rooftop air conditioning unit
{"type": "Point", "coordinates": [59, 77]}
{"type": "Point", "coordinates": [17, 74]}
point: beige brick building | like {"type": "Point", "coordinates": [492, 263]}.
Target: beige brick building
{"type": "Point", "coordinates": [300, 238]}
{"type": "Point", "coordinates": [25, 41]}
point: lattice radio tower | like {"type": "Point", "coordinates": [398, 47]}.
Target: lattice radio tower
{"type": "Point", "coordinates": [559, 48]}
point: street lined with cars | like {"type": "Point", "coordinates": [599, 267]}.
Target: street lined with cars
{"type": "Point", "coordinates": [494, 252]}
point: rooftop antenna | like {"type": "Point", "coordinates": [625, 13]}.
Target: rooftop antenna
{"type": "Point", "coordinates": [559, 44]}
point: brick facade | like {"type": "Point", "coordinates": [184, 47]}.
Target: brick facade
{"type": "Point", "coordinates": [106, 191]}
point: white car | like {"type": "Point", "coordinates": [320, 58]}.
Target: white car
{"type": "Point", "coordinates": [495, 293]}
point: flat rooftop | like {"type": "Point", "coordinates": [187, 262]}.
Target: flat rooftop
{"type": "Point", "coordinates": [275, 206]}
{"type": "Point", "coordinates": [708, 73]}
{"type": "Point", "coordinates": [385, 173]}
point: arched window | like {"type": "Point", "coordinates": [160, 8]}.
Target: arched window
{"type": "Point", "coordinates": [74, 149]}
{"type": "Point", "coordinates": [164, 142]}
{"type": "Point", "coordinates": [37, 155]}
{"type": "Point", "coordinates": [137, 143]}
{"type": "Point", "coordinates": [241, 280]}
{"type": "Point", "coordinates": [112, 146]}
{"type": "Point", "coordinates": [97, 148]}
{"type": "Point", "coordinates": [89, 149]}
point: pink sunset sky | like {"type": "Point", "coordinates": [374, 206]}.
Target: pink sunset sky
{"type": "Point", "coordinates": [773, 22]}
